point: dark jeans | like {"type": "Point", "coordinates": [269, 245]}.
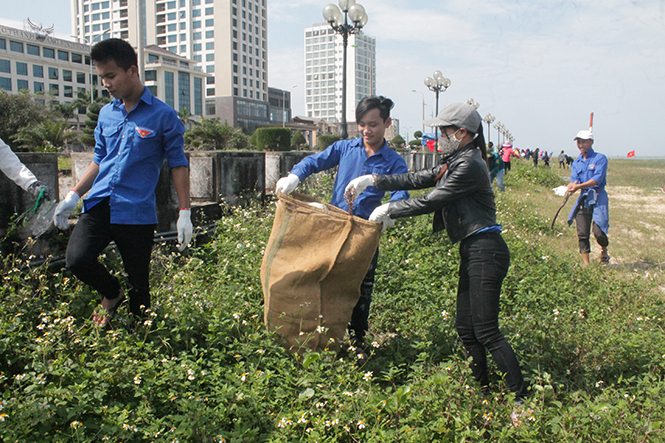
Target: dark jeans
{"type": "Point", "coordinates": [92, 235]}
{"type": "Point", "coordinates": [506, 166]}
{"type": "Point", "coordinates": [583, 220]}
{"type": "Point", "coordinates": [484, 263]}
{"type": "Point", "coordinates": [359, 319]}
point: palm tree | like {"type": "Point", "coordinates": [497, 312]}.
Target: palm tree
{"type": "Point", "coordinates": [46, 136]}
{"type": "Point", "coordinates": [211, 134]}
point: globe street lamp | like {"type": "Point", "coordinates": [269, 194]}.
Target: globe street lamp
{"type": "Point", "coordinates": [473, 103]}
{"type": "Point", "coordinates": [91, 40]}
{"type": "Point", "coordinates": [488, 119]}
{"type": "Point", "coordinates": [423, 96]}
{"type": "Point", "coordinates": [498, 127]}
{"type": "Point", "coordinates": [332, 14]}
{"type": "Point", "coordinates": [437, 84]}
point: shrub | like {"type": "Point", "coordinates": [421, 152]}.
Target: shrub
{"type": "Point", "coordinates": [325, 140]}
{"type": "Point", "coordinates": [271, 139]}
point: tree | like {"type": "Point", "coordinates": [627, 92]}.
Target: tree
{"type": "Point", "coordinates": [186, 118]}
{"type": "Point", "coordinates": [46, 136]}
{"type": "Point", "coordinates": [398, 141]}
{"type": "Point", "coordinates": [297, 139]}
{"type": "Point", "coordinates": [271, 139]}
{"type": "Point", "coordinates": [211, 134]}
{"type": "Point", "coordinates": [18, 111]}
{"type": "Point", "coordinates": [88, 136]}
{"type": "Point", "coordinates": [325, 140]}
{"type": "Point", "coordinates": [418, 134]}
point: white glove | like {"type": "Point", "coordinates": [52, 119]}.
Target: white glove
{"type": "Point", "coordinates": [185, 230]}
{"type": "Point", "coordinates": [560, 190]}
{"type": "Point", "coordinates": [357, 186]}
{"type": "Point", "coordinates": [287, 184]}
{"type": "Point", "coordinates": [380, 215]}
{"type": "Point", "coordinates": [64, 209]}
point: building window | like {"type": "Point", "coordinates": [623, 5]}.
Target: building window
{"type": "Point", "coordinates": [210, 92]}
{"type": "Point", "coordinates": [32, 49]}
{"type": "Point", "coordinates": [48, 53]}
{"type": "Point", "coordinates": [210, 57]}
{"type": "Point", "coordinates": [183, 90]}
{"type": "Point", "coordinates": [38, 71]}
{"type": "Point", "coordinates": [67, 75]}
{"type": "Point", "coordinates": [77, 58]}
{"type": "Point", "coordinates": [5, 66]}
{"type": "Point", "coordinates": [80, 77]}
{"type": "Point", "coordinates": [211, 45]}
{"type": "Point", "coordinates": [54, 89]}
{"type": "Point", "coordinates": [151, 75]}
{"type": "Point", "coordinates": [153, 89]}
{"type": "Point", "coordinates": [21, 85]}
{"type": "Point", "coordinates": [210, 108]}
{"type": "Point", "coordinates": [3, 43]}
{"type": "Point", "coordinates": [198, 96]}
{"type": "Point", "coordinates": [53, 73]}
{"type": "Point", "coordinates": [6, 83]}
{"type": "Point", "coordinates": [15, 47]}
{"type": "Point", "coordinates": [38, 87]}
{"type": "Point", "coordinates": [196, 24]}
{"type": "Point", "coordinates": [210, 23]}
{"type": "Point", "coordinates": [68, 91]}
{"type": "Point", "coordinates": [168, 89]}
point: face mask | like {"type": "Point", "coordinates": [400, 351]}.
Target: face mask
{"type": "Point", "coordinates": [449, 144]}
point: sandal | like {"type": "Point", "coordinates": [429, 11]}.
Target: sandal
{"type": "Point", "coordinates": [605, 260]}
{"type": "Point", "coordinates": [104, 316]}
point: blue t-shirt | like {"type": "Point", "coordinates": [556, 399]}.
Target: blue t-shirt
{"type": "Point", "coordinates": [351, 157]}
{"type": "Point", "coordinates": [130, 150]}
{"type": "Point", "coordinates": [594, 167]}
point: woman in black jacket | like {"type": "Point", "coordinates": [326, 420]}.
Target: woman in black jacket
{"type": "Point", "coordinates": [463, 203]}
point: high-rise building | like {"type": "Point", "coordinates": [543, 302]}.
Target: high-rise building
{"type": "Point", "coordinates": [227, 38]}
{"type": "Point", "coordinates": [323, 72]}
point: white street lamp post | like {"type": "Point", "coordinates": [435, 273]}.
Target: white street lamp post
{"type": "Point", "coordinates": [332, 14]}
{"type": "Point", "coordinates": [437, 84]}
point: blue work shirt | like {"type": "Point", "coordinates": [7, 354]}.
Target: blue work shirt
{"type": "Point", "coordinates": [594, 167]}
{"type": "Point", "coordinates": [351, 157]}
{"type": "Point", "coordinates": [130, 150]}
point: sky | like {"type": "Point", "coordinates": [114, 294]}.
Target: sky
{"type": "Point", "coordinates": [540, 67]}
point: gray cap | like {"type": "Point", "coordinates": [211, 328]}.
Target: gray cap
{"type": "Point", "coordinates": [461, 115]}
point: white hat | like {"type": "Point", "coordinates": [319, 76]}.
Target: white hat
{"type": "Point", "coordinates": [584, 135]}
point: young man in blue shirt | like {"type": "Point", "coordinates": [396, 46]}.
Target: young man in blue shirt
{"type": "Point", "coordinates": [588, 174]}
{"type": "Point", "coordinates": [134, 134]}
{"type": "Point", "coordinates": [368, 154]}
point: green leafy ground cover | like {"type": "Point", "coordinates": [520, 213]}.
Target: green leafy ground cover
{"type": "Point", "coordinates": [202, 368]}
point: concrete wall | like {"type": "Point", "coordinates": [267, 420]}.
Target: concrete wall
{"type": "Point", "coordinates": [280, 164]}
{"type": "Point", "coordinates": [13, 199]}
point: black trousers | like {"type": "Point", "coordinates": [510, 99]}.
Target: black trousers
{"type": "Point", "coordinates": [485, 259]}
{"type": "Point", "coordinates": [360, 318]}
{"type": "Point", "coordinates": [584, 220]}
{"type": "Point", "coordinates": [92, 235]}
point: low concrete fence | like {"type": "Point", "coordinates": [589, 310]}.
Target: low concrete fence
{"type": "Point", "coordinates": [417, 161]}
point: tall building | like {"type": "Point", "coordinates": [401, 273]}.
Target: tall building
{"type": "Point", "coordinates": [323, 72]}
{"type": "Point", "coordinates": [227, 38]}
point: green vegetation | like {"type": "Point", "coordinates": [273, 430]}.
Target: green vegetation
{"type": "Point", "coordinates": [297, 140]}
{"type": "Point", "coordinates": [202, 368]}
{"type": "Point", "coordinates": [325, 140]}
{"type": "Point", "coordinates": [271, 139]}
{"type": "Point", "coordinates": [210, 134]}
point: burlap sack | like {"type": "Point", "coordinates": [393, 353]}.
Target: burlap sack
{"type": "Point", "coordinates": [314, 263]}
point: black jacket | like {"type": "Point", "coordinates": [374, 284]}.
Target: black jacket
{"type": "Point", "coordinates": [463, 201]}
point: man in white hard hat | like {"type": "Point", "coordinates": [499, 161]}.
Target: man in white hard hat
{"type": "Point", "coordinates": [588, 175]}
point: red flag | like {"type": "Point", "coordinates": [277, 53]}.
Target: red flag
{"type": "Point", "coordinates": [631, 154]}
{"type": "Point", "coordinates": [430, 145]}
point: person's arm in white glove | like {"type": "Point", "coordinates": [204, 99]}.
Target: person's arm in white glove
{"type": "Point", "coordinates": [287, 184]}
{"type": "Point", "coordinates": [66, 206]}
{"type": "Point", "coordinates": [357, 186]}
{"type": "Point", "coordinates": [381, 215]}
{"type": "Point", "coordinates": [64, 209]}
{"type": "Point", "coordinates": [184, 226]}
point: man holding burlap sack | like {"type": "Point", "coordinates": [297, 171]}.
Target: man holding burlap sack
{"type": "Point", "coordinates": [368, 154]}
